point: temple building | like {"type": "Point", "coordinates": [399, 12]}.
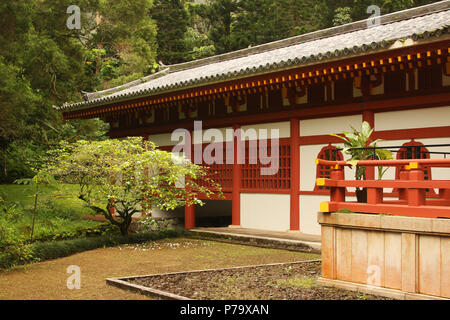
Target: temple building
{"type": "Point", "coordinates": [394, 74]}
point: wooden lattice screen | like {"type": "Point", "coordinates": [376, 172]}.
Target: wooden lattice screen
{"type": "Point", "coordinates": [252, 179]}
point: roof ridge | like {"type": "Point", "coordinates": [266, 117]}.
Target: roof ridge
{"type": "Point", "coordinates": [435, 15]}
{"type": "Point", "coordinates": [315, 35]}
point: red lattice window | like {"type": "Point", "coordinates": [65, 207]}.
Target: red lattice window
{"type": "Point", "coordinates": [251, 170]}
{"type": "Point", "coordinates": [416, 150]}
{"type": "Point", "coordinates": [221, 173]}
{"type": "Point", "coordinates": [327, 153]}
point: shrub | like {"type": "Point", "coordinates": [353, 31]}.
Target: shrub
{"type": "Point", "coordinates": [57, 249]}
{"type": "Point", "coordinates": [12, 247]}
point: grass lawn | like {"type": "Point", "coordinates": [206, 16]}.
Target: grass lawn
{"type": "Point", "coordinates": [47, 279]}
{"type": "Point", "coordinates": [57, 213]}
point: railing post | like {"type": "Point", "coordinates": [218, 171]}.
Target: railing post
{"type": "Point", "coordinates": [403, 175]}
{"type": "Point", "coordinates": [416, 197]}
{"type": "Point", "coordinates": [374, 195]}
{"type": "Point", "coordinates": [337, 194]}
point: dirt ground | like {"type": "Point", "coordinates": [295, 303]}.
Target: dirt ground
{"type": "Point", "coordinates": [48, 279]}
{"type": "Point", "coordinates": [277, 282]}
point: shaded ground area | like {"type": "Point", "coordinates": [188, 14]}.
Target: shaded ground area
{"type": "Point", "coordinates": [280, 282]}
{"type": "Point", "coordinates": [47, 280]}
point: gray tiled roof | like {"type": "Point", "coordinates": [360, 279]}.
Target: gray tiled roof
{"type": "Point", "coordinates": [356, 38]}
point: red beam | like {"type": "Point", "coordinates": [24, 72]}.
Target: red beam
{"type": "Point", "coordinates": [399, 210]}
{"type": "Point", "coordinates": [389, 163]}
{"type": "Point", "coordinates": [295, 175]}
{"type": "Point", "coordinates": [401, 184]}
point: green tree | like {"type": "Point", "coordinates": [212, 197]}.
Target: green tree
{"type": "Point", "coordinates": [43, 63]}
{"type": "Point", "coordinates": [128, 176]}
{"type": "Point", "coordinates": [221, 14]}
{"type": "Point", "coordinates": [172, 20]}
{"type": "Point", "coordinates": [342, 15]}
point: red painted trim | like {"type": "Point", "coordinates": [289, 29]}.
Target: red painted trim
{"type": "Point", "coordinates": [227, 196]}
{"type": "Point", "coordinates": [246, 83]}
{"type": "Point", "coordinates": [266, 191]}
{"type": "Point", "coordinates": [189, 217]}
{"type": "Point", "coordinates": [369, 117]}
{"type": "Point", "coordinates": [237, 177]}
{"type": "Point", "coordinates": [403, 103]}
{"type": "Point", "coordinates": [295, 175]}
{"type": "Point", "coordinates": [189, 211]}
{"type": "Point", "coordinates": [395, 209]}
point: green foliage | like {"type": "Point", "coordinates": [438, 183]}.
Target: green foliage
{"type": "Point", "coordinates": [128, 176]}
{"type": "Point", "coordinates": [342, 16]}
{"type": "Point", "coordinates": [338, 12]}
{"type": "Point", "coordinates": [172, 20]}
{"type": "Point", "coordinates": [355, 140]}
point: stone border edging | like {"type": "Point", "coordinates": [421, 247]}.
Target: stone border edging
{"type": "Point", "coordinates": [123, 282]}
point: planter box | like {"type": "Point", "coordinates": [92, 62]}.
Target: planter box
{"type": "Point", "coordinates": [401, 257]}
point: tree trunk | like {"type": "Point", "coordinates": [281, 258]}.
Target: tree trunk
{"type": "Point", "coordinates": [124, 226]}
{"type": "Point", "coordinates": [23, 151]}
{"type": "Point", "coordinates": [5, 171]}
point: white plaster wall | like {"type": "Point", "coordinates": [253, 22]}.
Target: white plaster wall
{"type": "Point", "coordinates": [309, 206]}
{"type": "Point", "coordinates": [410, 119]}
{"type": "Point", "coordinates": [265, 211]}
{"type": "Point", "coordinates": [283, 127]}
{"type": "Point", "coordinates": [162, 140]}
{"type": "Point", "coordinates": [313, 127]}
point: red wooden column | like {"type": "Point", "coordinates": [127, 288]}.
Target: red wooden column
{"type": "Point", "coordinates": [189, 211]}
{"type": "Point", "coordinates": [237, 177]}
{"type": "Point", "coordinates": [374, 195]}
{"type": "Point", "coordinates": [295, 175]}
{"type": "Point", "coordinates": [369, 116]}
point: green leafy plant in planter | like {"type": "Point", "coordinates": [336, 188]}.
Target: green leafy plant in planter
{"type": "Point", "coordinates": [361, 139]}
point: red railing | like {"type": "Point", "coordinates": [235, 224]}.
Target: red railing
{"type": "Point", "coordinates": [411, 188]}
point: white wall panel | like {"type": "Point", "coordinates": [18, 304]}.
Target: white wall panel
{"type": "Point", "coordinates": [162, 140]}
{"type": "Point", "coordinates": [283, 127]}
{"type": "Point", "coordinates": [265, 211]}
{"type": "Point", "coordinates": [410, 119]}
{"type": "Point", "coordinates": [312, 127]}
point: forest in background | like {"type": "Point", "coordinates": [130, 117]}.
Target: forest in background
{"type": "Point", "coordinates": [44, 64]}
